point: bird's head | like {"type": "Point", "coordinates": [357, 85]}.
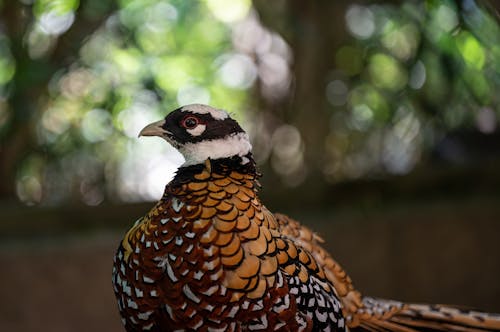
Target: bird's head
{"type": "Point", "coordinates": [201, 132]}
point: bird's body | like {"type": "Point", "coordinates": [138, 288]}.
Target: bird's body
{"type": "Point", "coordinates": [210, 256]}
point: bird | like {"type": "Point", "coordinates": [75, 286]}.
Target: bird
{"type": "Point", "coordinates": [209, 255]}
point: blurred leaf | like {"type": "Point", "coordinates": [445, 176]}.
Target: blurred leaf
{"type": "Point", "coordinates": [386, 72]}
{"type": "Point", "coordinates": [471, 50]}
{"type": "Point", "coordinates": [59, 7]}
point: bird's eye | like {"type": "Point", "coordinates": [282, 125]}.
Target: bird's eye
{"type": "Point", "coordinates": [189, 122]}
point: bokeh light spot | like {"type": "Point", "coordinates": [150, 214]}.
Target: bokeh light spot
{"type": "Point", "coordinates": [336, 92]}
{"type": "Point", "coordinates": [417, 76]}
{"type": "Point", "coordinates": [287, 154]}
{"type": "Point", "coordinates": [472, 51]}
{"type": "Point", "coordinates": [387, 72]}
{"type": "Point", "coordinates": [54, 23]}
{"type": "Point", "coordinates": [360, 21]}
{"type": "Point", "coordinates": [96, 125]}
{"type": "Point", "coordinates": [446, 18]}
{"type": "Point", "coordinates": [193, 94]}
{"type": "Point", "coordinates": [229, 11]}
{"type": "Point", "coordinates": [486, 120]}
{"type": "Point", "coordinates": [401, 41]}
{"type": "Point", "coordinates": [237, 71]}
{"type": "Point", "coordinates": [361, 117]}
{"type": "Point", "coordinates": [29, 190]}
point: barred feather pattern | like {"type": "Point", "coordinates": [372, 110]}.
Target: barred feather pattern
{"type": "Point", "coordinates": [364, 313]}
{"type": "Point", "coordinates": [209, 256]}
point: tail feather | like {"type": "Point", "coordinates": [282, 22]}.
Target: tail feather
{"type": "Point", "coordinates": [453, 318]}
{"type": "Point", "coordinates": [386, 315]}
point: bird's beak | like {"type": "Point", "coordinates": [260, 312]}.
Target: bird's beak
{"type": "Point", "coordinates": [154, 129]}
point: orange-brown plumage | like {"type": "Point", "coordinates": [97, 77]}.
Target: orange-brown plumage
{"type": "Point", "coordinates": [212, 239]}
{"type": "Point", "coordinates": [210, 256]}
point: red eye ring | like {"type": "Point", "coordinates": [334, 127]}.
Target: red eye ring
{"type": "Point", "coordinates": [190, 121]}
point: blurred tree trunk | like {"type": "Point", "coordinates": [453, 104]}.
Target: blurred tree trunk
{"type": "Point", "coordinates": [15, 140]}
{"type": "Point", "coordinates": [314, 30]}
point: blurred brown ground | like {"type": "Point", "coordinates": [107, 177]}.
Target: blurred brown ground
{"type": "Point", "coordinates": [64, 285]}
{"type": "Point", "coordinates": [433, 252]}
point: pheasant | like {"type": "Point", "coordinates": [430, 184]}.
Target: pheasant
{"type": "Point", "coordinates": [210, 256]}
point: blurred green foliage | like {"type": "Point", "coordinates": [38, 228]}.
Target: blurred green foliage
{"type": "Point", "coordinates": [412, 73]}
{"type": "Point", "coordinates": [146, 57]}
{"type": "Point", "coordinates": [79, 79]}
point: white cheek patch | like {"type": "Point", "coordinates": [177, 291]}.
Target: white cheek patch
{"type": "Point", "coordinates": [233, 145]}
{"type": "Point", "coordinates": [198, 130]}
